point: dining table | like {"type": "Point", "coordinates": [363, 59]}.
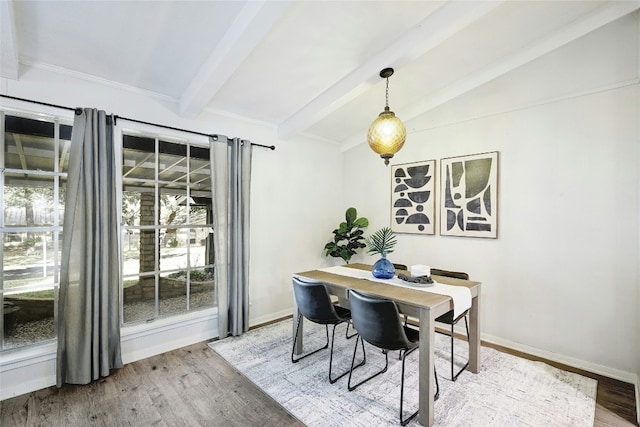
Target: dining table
{"type": "Point", "coordinates": [418, 303]}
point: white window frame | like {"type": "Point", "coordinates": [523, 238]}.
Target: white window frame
{"type": "Point", "coordinates": [176, 138]}
{"type": "Point", "coordinates": [55, 229]}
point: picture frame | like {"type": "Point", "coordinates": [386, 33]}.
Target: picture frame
{"type": "Point", "coordinates": [469, 195]}
{"type": "Point", "coordinates": [413, 197]}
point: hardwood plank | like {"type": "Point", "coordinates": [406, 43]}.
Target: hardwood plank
{"type": "Point", "coordinates": [190, 386]}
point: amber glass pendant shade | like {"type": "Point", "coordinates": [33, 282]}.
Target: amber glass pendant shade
{"type": "Point", "coordinates": [386, 135]}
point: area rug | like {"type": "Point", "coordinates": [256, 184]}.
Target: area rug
{"type": "Point", "coordinates": [508, 391]}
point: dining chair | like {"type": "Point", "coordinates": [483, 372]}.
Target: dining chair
{"type": "Point", "coordinates": [315, 305]}
{"type": "Point", "coordinates": [378, 323]}
{"type": "Point", "coordinates": [448, 319]}
{"type": "Point", "coordinates": [400, 267]}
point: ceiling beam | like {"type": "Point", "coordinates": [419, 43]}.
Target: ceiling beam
{"type": "Point", "coordinates": [578, 28]}
{"type": "Point", "coordinates": [8, 41]}
{"type": "Point", "coordinates": [443, 23]}
{"type": "Point", "coordinates": [249, 28]}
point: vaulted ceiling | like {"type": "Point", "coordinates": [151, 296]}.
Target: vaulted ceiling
{"type": "Point", "coordinates": [307, 67]}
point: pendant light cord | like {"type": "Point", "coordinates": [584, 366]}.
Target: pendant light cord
{"type": "Point", "coordinates": [387, 95]}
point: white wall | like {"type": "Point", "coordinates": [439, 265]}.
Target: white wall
{"type": "Point", "coordinates": [295, 203]}
{"type": "Point", "coordinates": [561, 280]}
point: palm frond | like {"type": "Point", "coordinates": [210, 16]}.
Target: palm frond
{"type": "Point", "coordinates": [381, 242]}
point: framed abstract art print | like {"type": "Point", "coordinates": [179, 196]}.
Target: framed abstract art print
{"type": "Point", "coordinates": [413, 197]}
{"type": "Point", "coordinates": [469, 195]}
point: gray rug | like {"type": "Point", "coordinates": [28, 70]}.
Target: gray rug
{"type": "Point", "coordinates": [508, 391]}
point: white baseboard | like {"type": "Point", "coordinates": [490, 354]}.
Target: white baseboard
{"type": "Point", "coordinates": [616, 374]}
{"type": "Point", "coordinates": [269, 318]}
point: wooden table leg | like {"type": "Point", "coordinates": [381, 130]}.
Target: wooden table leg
{"type": "Point", "coordinates": [427, 387]}
{"type": "Point", "coordinates": [474, 334]}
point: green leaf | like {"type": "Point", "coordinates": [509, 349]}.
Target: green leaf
{"type": "Point", "coordinates": [344, 228]}
{"type": "Point", "coordinates": [345, 255]}
{"type": "Point", "coordinates": [361, 222]}
{"type": "Point", "coordinates": [351, 215]}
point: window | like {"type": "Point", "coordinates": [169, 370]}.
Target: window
{"type": "Point", "coordinates": [168, 255]}
{"type": "Point", "coordinates": [167, 228]}
{"type": "Point", "coordinates": [34, 154]}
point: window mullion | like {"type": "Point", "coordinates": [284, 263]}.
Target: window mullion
{"type": "Point", "coordinates": [56, 203]}
{"type": "Point", "coordinates": [156, 214]}
{"type": "Point", "coordinates": [188, 204]}
{"type": "Point", "coordinates": [2, 169]}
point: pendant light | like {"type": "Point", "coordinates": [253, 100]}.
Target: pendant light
{"type": "Point", "coordinates": [387, 133]}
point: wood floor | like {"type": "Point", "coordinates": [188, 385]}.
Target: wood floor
{"type": "Point", "coordinates": [193, 386]}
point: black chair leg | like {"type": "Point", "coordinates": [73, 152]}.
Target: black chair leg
{"type": "Point", "coordinates": [386, 365]}
{"type": "Point", "coordinates": [435, 397]}
{"type": "Point", "coordinates": [333, 380]}
{"type": "Point", "coordinates": [405, 421]}
{"type": "Point", "coordinates": [295, 338]}
{"type": "Point", "coordinates": [346, 334]}
{"type": "Point", "coordinates": [455, 376]}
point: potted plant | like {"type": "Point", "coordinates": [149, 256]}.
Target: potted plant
{"type": "Point", "coordinates": [382, 242]}
{"type": "Point", "coordinates": [348, 237]}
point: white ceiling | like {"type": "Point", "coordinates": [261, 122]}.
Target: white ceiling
{"type": "Point", "coordinates": [302, 66]}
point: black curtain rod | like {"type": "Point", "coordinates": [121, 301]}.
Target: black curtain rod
{"type": "Point", "coordinates": [78, 111]}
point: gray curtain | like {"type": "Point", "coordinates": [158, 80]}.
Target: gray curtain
{"type": "Point", "coordinates": [231, 174]}
{"type": "Point", "coordinates": [88, 310]}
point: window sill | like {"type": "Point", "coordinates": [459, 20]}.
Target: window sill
{"type": "Point", "coordinates": [38, 353]}
{"type": "Point", "coordinates": [138, 330]}
{"type": "Point", "coordinates": [22, 356]}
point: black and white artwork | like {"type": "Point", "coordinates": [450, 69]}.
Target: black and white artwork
{"type": "Point", "coordinates": [468, 203]}
{"type": "Point", "coordinates": [413, 197]}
